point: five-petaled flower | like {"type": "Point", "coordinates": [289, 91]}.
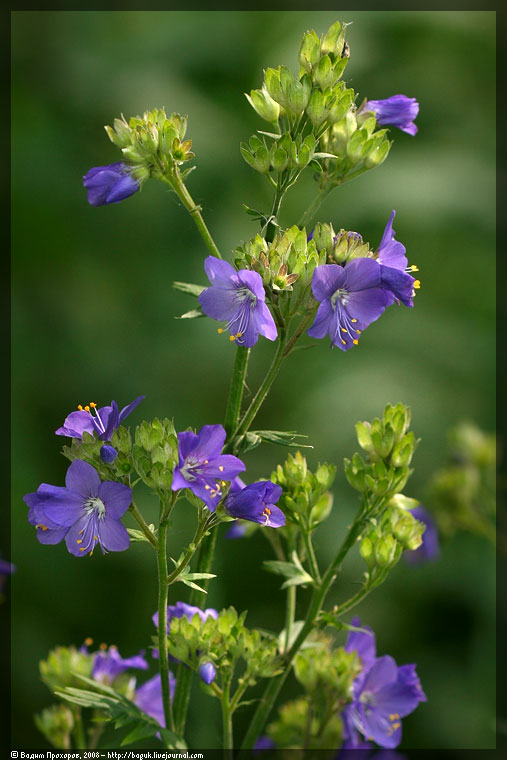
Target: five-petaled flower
{"type": "Point", "coordinates": [237, 298]}
{"type": "Point", "coordinates": [256, 502]}
{"type": "Point", "coordinates": [395, 111]}
{"type": "Point", "coordinates": [201, 466]}
{"type": "Point", "coordinates": [394, 277]}
{"type": "Point", "coordinates": [85, 512]}
{"type": "Point", "coordinates": [430, 548]}
{"type": "Point", "coordinates": [89, 419]}
{"type": "Point", "coordinates": [351, 297]}
{"type": "Point", "coordinates": [383, 693]}
{"type": "Point", "coordinates": [109, 184]}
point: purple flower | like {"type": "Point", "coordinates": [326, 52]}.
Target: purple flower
{"type": "Point", "coordinates": [202, 467]}
{"type": "Point", "coordinates": [109, 184]}
{"type": "Point", "coordinates": [237, 298]}
{"type": "Point", "coordinates": [108, 453]}
{"type": "Point", "coordinates": [394, 277]}
{"type": "Point", "coordinates": [108, 664]}
{"type": "Point", "coordinates": [430, 548]}
{"type": "Point", "coordinates": [351, 297]}
{"type": "Point", "coordinates": [207, 672]}
{"type": "Point", "coordinates": [383, 693]}
{"type": "Point", "coordinates": [263, 742]}
{"type": "Point", "coordinates": [148, 697]}
{"type": "Point", "coordinates": [85, 512]}
{"type": "Point", "coordinates": [256, 502]}
{"type": "Point", "coordinates": [181, 609]}
{"type": "Point", "coordinates": [103, 421]}
{"type": "Point", "coordinates": [396, 111]}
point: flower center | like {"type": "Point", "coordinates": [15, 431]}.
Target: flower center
{"type": "Point", "coordinates": [94, 504]}
{"type": "Point", "coordinates": [99, 425]}
{"type": "Point", "coordinates": [189, 465]}
{"type": "Point", "coordinates": [341, 295]}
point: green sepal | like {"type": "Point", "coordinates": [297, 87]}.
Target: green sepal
{"type": "Point", "coordinates": [189, 287]}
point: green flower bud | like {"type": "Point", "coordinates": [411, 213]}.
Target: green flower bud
{"type": "Point", "coordinates": [363, 432]}
{"type": "Point", "coordinates": [333, 40]}
{"type": "Point", "coordinates": [316, 109]}
{"type": "Point", "coordinates": [324, 74]}
{"type": "Point", "coordinates": [56, 723]}
{"type": "Point", "coordinates": [309, 52]}
{"type": "Point", "coordinates": [385, 551]}
{"type": "Point", "coordinates": [403, 451]}
{"type": "Point", "coordinates": [264, 105]}
{"type": "Point", "coordinates": [366, 550]}
{"type": "Point", "coordinates": [279, 158]}
{"type": "Point", "coordinates": [378, 154]}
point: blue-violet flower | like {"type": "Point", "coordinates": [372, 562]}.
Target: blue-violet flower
{"type": "Point", "coordinates": [237, 298]}
{"type": "Point", "coordinates": [351, 297]}
{"type": "Point", "coordinates": [383, 693]}
{"type": "Point", "coordinates": [109, 184]}
{"type": "Point", "coordinates": [396, 111]}
{"type": "Point", "coordinates": [103, 421]}
{"type": "Point", "coordinates": [108, 663]}
{"type": "Point", "coordinates": [256, 502]}
{"type": "Point", "coordinates": [148, 697]}
{"type": "Point", "coordinates": [430, 547]}
{"type": "Point", "coordinates": [85, 512]}
{"type": "Point", "coordinates": [201, 466]}
{"type": "Point", "coordinates": [394, 277]}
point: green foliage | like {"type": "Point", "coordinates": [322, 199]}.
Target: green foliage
{"type": "Point", "coordinates": [305, 499]}
{"type": "Point", "coordinates": [339, 247]}
{"type": "Point", "coordinates": [56, 724]}
{"type": "Point", "coordinates": [254, 438]}
{"type": "Point", "coordinates": [64, 665]}
{"type": "Point", "coordinates": [155, 453]}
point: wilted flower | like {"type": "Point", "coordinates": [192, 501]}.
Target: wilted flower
{"type": "Point", "coordinates": [89, 419]}
{"type": "Point", "coordinates": [396, 111]}
{"type": "Point", "coordinates": [256, 502]}
{"type": "Point", "coordinates": [351, 297]}
{"type": "Point", "coordinates": [201, 466]}
{"type": "Point", "coordinates": [85, 512]}
{"type": "Point", "coordinates": [237, 298]}
{"type": "Point", "coordinates": [109, 184]}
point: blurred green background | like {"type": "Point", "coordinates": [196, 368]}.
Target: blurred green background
{"type": "Point", "coordinates": [94, 320]}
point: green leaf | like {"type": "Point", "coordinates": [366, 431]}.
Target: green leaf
{"type": "Point", "coordinates": [189, 287]}
{"type": "Point", "coordinates": [282, 438]}
{"type": "Point", "coordinates": [287, 569]}
{"type": "Point", "coordinates": [138, 535]}
{"type": "Point", "coordinates": [141, 731]}
{"type": "Point", "coordinates": [192, 314]}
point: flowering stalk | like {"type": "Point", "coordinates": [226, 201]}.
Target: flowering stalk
{"type": "Point", "coordinates": [233, 409]}
{"type": "Point", "coordinates": [162, 613]}
{"type": "Point", "coordinates": [176, 183]}
{"type": "Point", "coordinates": [142, 524]}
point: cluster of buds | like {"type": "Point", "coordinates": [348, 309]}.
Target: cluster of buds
{"type": "Point", "coordinates": [155, 453]}
{"type": "Point", "coordinates": [386, 538]}
{"type": "Point", "coordinates": [223, 641]}
{"type": "Point", "coordinates": [62, 666]}
{"type": "Point", "coordinates": [389, 448]}
{"type": "Point", "coordinates": [285, 152]}
{"type": "Point", "coordinates": [333, 670]}
{"type": "Point", "coordinates": [290, 258]}
{"type": "Point", "coordinates": [339, 247]}
{"type": "Point", "coordinates": [306, 499]}
{"type": "Point", "coordinates": [56, 723]}
{"type": "Point", "coordinates": [357, 145]}
{"type": "Point", "coordinates": [151, 143]}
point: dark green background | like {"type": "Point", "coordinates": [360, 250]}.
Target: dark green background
{"type": "Point", "coordinates": [94, 319]}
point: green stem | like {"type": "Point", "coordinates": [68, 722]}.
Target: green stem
{"type": "Point", "coordinates": [267, 701]}
{"type": "Point", "coordinates": [312, 559]}
{"type": "Point", "coordinates": [290, 613]}
{"type": "Point", "coordinates": [193, 546]}
{"type": "Point", "coordinates": [227, 720]}
{"type": "Point", "coordinates": [79, 734]}
{"type": "Point", "coordinates": [144, 527]}
{"type": "Point", "coordinates": [176, 183]}
{"type": "Point", "coordinates": [263, 390]}
{"type": "Point", "coordinates": [315, 205]}
{"type": "Point", "coordinates": [233, 408]}
{"type": "Point", "coordinates": [163, 658]}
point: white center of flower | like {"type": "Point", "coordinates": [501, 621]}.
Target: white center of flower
{"type": "Point", "coordinates": [189, 465]}
{"type": "Point", "coordinates": [340, 294]}
{"type": "Point", "coordinates": [94, 504]}
{"type": "Point", "coordinates": [243, 294]}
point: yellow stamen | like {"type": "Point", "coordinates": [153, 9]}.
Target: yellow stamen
{"type": "Point", "coordinates": [223, 483]}
{"type": "Point", "coordinates": [344, 343]}
{"type": "Point", "coordinates": [353, 320]}
{"type": "Point", "coordinates": [355, 341]}
{"type": "Point", "coordinates": [413, 268]}
{"type": "Point", "coordinates": [87, 408]}
{"type": "Point", "coordinates": [396, 725]}
{"type": "Point", "coordinates": [81, 531]}
{"type": "Point", "coordinates": [206, 461]}
{"type": "Point", "coordinates": [221, 468]}
{"type": "Point", "coordinates": [88, 642]}
{"type": "Point", "coordinates": [92, 404]}
{"type": "Point", "coordinates": [207, 488]}
{"type": "Point", "coordinates": [79, 541]}
{"type": "Point", "coordinates": [232, 337]}
{"type": "Point", "coordinates": [238, 335]}
{"type": "Point", "coordinates": [95, 538]}
{"type": "Point", "coordinates": [267, 510]}
{"type": "Point", "coordinates": [91, 553]}
{"type": "Point", "coordinates": [343, 329]}
{"type": "Point", "coordinates": [220, 330]}
{"type": "Point", "coordinates": [81, 549]}
{"type": "Point", "coordinates": [42, 527]}
{"type": "Point", "coordinates": [80, 407]}
{"type": "Point", "coordinates": [103, 646]}
{"type": "Point", "coordinates": [417, 284]}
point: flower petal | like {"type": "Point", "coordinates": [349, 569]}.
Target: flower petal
{"type": "Point", "coordinates": [130, 407]}
{"type": "Point", "coordinates": [326, 279]}
{"type": "Point", "coordinates": [211, 442]}
{"type": "Point", "coordinates": [264, 322]}
{"type": "Point", "coordinates": [366, 305]}
{"type": "Point", "coordinates": [113, 534]}
{"type": "Point", "coordinates": [187, 441]}
{"type": "Point", "coordinates": [219, 272]}
{"type": "Point", "coordinates": [323, 318]}
{"type": "Point", "coordinates": [383, 671]}
{"type": "Point", "coordinates": [390, 251]}
{"type": "Point", "coordinates": [75, 424]}
{"type": "Point", "coordinates": [399, 283]}
{"type": "Point", "coordinates": [224, 467]}
{"type": "Point", "coordinates": [361, 274]}
{"type": "Point", "coordinates": [51, 536]}
{"type": "Point", "coordinates": [82, 537]}
{"type": "Point", "coordinates": [117, 498]}
{"type": "Point", "coordinates": [252, 281]}
{"type": "Point", "coordinates": [82, 478]}
{"type": "Point", "coordinates": [219, 303]}
{"type": "Point", "coordinates": [378, 727]}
